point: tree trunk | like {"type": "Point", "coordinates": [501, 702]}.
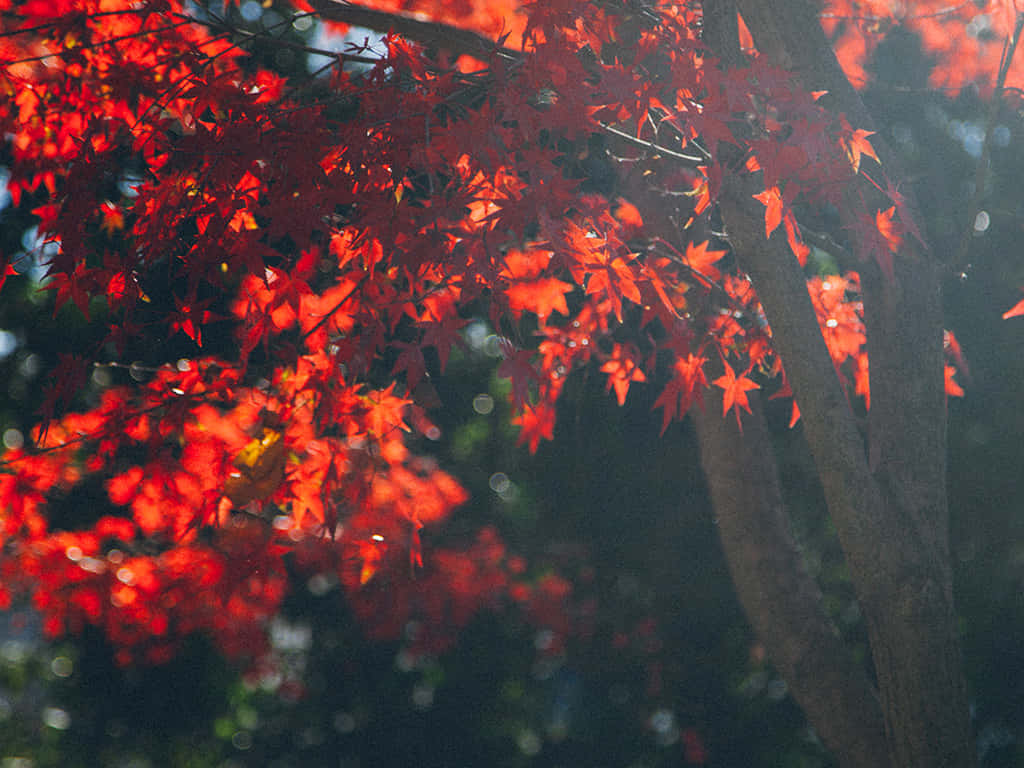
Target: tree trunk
{"type": "Point", "coordinates": [890, 511]}
{"type": "Point", "coordinates": [780, 598]}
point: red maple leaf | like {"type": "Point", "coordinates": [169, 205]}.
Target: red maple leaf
{"type": "Point", "coordinates": [772, 200]}
{"type": "Point", "coordinates": [536, 423]}
{"type": "Point", "coordinates": [519, 368]}
{"type": "Point", "coordinates": [622, 369]}
{"type": "Point", "coordinates": [703, 260]}
{"type": "Point", "coordinates": [442, 334]}
{"type": "Point", "coordinates": [683, 389]}
{"type": "Point", "coordinates": [541, 296]}
{"type": "Point", "coordinates": [734, 392]}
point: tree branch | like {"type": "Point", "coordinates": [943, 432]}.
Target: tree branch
{"type": "Point", "coordinates": [220, 25]}
{"type": "Point", "coordinates": [446, 36]}
{"type": "Point", "coordinates": [656, 149]}
{"type": "Point", "coordinates": [828, 420]}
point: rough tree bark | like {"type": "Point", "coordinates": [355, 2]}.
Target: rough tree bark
{"type": "Point", "coordinates": [887, 498]}
{"type": "Point", "coordinates": [780, 598]}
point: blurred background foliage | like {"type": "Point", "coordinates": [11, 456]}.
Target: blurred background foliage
{"type": "Point", "coordinates": [660, 667]}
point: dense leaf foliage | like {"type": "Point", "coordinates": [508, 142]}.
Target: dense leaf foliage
{"type": "Point", "coordinates": [292, 260]}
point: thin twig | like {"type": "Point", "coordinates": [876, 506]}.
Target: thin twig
{"type": "Point", "coordinates": [99, 44]}
{"type": "Point", "coordinates": [899, 19]}
{"type": "Point", "coordinates": [327, 316]}
{"type": "Point", "coordinates": [217, 23]}
{"type": "Point", "coordinates": [50, 24]}
{"type": "Point", "coordinates": [649, 145]}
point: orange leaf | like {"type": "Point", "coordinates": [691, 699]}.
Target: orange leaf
{"type": "Point", "coordinates": [621, 370]}
{"type": "Point", "coordinates": [1015, 311]}
{"type": "Point", "coordinates": [772, 200]}
{"type": "Point", "coordinates": [535, 423]}
{"type": "Point", "coordinates": [702, 260]}
{"type": "Point", "coordinates": [889, 228]}
{"type": "Point", "coordinates": [541, 296]}
{"type": "Point", "coordinates": [952, 388]}
{"type": "Point", "coordinates": [628, 215]}
{"type": "Point", "coordinates": [857, 144]}
{"type": "Point", "coordinates": [735, 391]}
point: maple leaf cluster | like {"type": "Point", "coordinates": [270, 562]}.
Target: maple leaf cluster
{"type": "Point", "coordinates": [343, 231]}
{"type": "Point", "coordinates": [963, 39]}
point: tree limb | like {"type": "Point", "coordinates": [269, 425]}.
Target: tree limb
{"type": "Point", "coordinates": [828, 421]}
{"type": "Point", "coordinates": [440, 35]}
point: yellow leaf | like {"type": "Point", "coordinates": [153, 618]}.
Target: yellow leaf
{"type": "Point", "coordinates": [259, 469]}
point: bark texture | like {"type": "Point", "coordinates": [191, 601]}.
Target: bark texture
{"type": "Point", "coordinates": [780, 598]}
{"type": "Point", "coordinates": [888, 502]}
{"type": "Point", "coordinates": [892, 541]}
